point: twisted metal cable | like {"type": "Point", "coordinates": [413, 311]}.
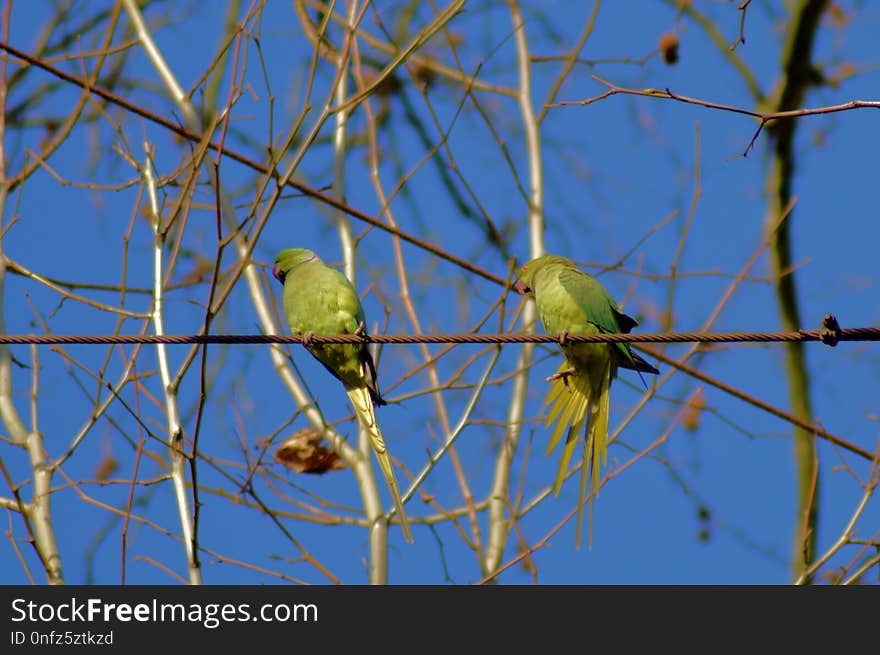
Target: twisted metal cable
{"type": "Point", "coordinates": [830, 334]}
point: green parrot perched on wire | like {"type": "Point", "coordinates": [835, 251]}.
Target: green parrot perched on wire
{"type": "Point", "coordinates": [572, 302]}
{"type": "Point", "coordinates": [319, 300]}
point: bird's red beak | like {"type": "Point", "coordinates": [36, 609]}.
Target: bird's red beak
{"type": "Point", "coordinates": [278, 273]}
{"type": "Point", "coordinates": [520, 288]}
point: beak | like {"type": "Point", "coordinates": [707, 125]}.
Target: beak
{"type": "Point", "coordinates": [521, 288]}
{"type": "Point", "coordinates": [277, 273]}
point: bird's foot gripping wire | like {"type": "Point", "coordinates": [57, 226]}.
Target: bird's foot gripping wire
{"type": "Point", "coordinates": [562, 375]}
{"type": "Point", "coordinates": [361, 330]}
{"type": "Point", "coordinates": [307, 339]}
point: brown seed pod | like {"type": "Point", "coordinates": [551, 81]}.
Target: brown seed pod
{"type": "Point", "coordinates": [669, 47]}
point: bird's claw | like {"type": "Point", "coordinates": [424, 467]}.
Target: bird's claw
{"type": "Point", "coordinates": [562, 375]}
{"type": "Point", "coordinates": [307, 339]}
{"type": "Point", "coordinates": [563, 338]}
{"type": "Point", "coordinates": [361, 330]}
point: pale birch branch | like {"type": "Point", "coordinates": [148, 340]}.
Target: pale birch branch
{"type": "Point", "coordinates": [37, 512]}
{"type": "Point", "coordinates": [498, 525]}
{"type": "Point", "coordinates": [363, 467]}
{"type": "Point", "coordinates": [175, 428]}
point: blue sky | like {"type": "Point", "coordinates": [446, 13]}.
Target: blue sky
{"type": "Point", "coordinates": [613, 170]}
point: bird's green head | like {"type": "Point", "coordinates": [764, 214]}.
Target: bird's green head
{"type": "Point", "coordinates": [289, 259]}
{"type": "Point", "coordinates": [526, 275]}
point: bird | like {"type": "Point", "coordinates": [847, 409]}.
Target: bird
{"type": "Point", "coordinates": [572, 302]}
{"type": "Point", "coordinates": [320, 300]}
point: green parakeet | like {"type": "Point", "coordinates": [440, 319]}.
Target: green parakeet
{"type": "Point", "coordinates": [572, 302]}
{"type": "Point", "coordinates": [319, 300]}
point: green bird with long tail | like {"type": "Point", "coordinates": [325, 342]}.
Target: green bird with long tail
{"type": "Point", "coordinates": [571, 302]}
{"type": "Point", "coordinates": [319, 300]}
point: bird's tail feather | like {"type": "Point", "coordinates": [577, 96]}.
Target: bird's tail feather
{"type": "Point", "coordinates": [576, 401]}
{"type": "Point", "coordinates": [595, 450]}
{"type": "Point", "coordinates": [568, 400]}
{"type": "Point", "coordinates": [363, 405]}
{"type": "Point", "coordinates": [568, 413]}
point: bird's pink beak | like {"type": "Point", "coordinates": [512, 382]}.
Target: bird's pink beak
{"type": "Point", "coordinates": [520, 288]}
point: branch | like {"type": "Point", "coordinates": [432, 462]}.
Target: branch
{"type": "Point", "coordinates": [798, 76]}
{"type": "Point", "coordinates": [36, 514]}
{"type": "Point", "coordinates": [175, 428]}
{"type": "Point", "coordinates": [498, 529]}
{"type": "Point", "coordinates": [763, 117]}
{"type": "Point", "coordinates": [363, 469]}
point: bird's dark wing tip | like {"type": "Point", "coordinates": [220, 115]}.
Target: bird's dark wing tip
{"type": "Point", "coordinates": [638, 363]}
{"type": "Point", "coordinates": [626, 322]}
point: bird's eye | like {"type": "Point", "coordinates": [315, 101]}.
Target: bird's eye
{"type": "Point", "coordinates": [278, 273]}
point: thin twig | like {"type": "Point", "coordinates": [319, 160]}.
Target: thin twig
{"type": "Point", "coordinates": [763, 117]}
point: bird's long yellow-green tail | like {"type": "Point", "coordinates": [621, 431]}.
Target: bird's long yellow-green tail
{"type": "Point", "coordinates": [363, 407]}
{"type": "Point", "coordinates": [579, 403]}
